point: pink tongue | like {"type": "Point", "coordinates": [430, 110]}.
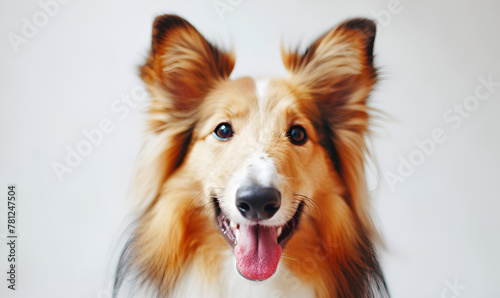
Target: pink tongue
{"type": "Point", "coordinates": [257, 252]}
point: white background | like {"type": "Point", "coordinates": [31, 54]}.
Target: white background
{"type": "Point", "coordinates": [440, 225]}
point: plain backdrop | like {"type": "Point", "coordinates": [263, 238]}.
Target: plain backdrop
{"type": "Point", "coordinates": [439, 213]}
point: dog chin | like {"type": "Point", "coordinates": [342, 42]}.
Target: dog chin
{"type": "Point", "coordinates": [257, 248]}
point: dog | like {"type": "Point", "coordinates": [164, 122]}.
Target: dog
{"type": "Point", "coordinates": [254, 187]}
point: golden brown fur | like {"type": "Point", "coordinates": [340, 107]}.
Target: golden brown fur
{"type": "Point", "coordinates": [182, 167]}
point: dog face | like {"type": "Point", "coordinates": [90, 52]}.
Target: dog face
{"type": "Point", "coordinates": [249, 137]}
{"type": "Point", "coordinates": [279, 162]}
{"type": "Point", "coordinates": [257, 152]}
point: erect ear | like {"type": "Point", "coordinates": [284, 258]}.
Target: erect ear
{"type": "Point", "coordinates": [181, 69]}
{"type": "Point", "coordinates": [333, 79]}
{"type": "Point", "coordinates": [182, 63]}
{"type": "Point", "coordinates": [338, 64]}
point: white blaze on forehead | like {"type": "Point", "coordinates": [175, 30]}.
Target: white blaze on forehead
{"type": "Point", "coordinates": [260, 167]}
{"type": "Point", "coordinates": [261, 86]}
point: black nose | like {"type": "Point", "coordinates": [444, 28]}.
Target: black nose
{"type": "Point", "coordinates": [256, 202]}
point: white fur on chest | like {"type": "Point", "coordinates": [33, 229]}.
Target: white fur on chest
{"type": "Point", "coordinates": [231, 284]}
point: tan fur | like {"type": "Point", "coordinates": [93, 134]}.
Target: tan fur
{"type": "Point", "coordinates": [182, 165]}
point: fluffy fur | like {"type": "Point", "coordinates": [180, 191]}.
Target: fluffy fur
{"type": "Point", "coordinates": [187, 177]}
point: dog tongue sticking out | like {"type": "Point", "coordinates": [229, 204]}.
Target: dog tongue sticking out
{"type": "Point", "coordinates": [257, 251]}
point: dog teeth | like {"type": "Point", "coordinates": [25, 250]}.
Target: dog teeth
{"type": "Point", "coordinates": [232, 225]}
{"type": "Point", "coordinates": [237, 234]}
{"type": "Point", "coordinates": [278, 231]}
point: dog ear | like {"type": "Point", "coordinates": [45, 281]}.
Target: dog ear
{"type": "Point", "coordinates": [182, 63]}
{"type": "Point", "coordinates": [181, 69]}
{"type": "Point", "coordinates": [338, 66]}
{"type": "Point", "coordinates": [336, 72]}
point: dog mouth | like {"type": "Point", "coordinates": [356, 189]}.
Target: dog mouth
{"type": "Point", "coordinates": [257, 248]}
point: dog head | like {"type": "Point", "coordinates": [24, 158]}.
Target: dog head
{"type": "Point", "coordinates": [279, 160]}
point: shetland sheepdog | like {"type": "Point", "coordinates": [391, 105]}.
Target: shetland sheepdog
{"type": "Point", "coordinates": [254, 187]}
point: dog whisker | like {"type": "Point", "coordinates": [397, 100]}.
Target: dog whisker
{"type": "Point", "coordinates": [204, 202]}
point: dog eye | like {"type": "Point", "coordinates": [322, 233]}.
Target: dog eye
{"type": "Point", "coordinates": [297, 135]}
{"type": "Point", "coordinates": [223, 132]}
